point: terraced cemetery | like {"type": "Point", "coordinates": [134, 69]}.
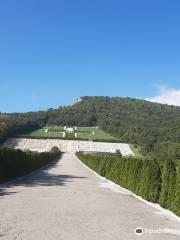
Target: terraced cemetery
{"type": "Point", "coordinates": [79, 133]}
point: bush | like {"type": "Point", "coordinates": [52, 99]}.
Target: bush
{"type": "Point", "coordinates": [15, 163]}
{"type": "Point", "coordinates": [55, 149]}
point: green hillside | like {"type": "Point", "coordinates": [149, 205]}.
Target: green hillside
{"type": "Point", "coordinates": [129, 120]}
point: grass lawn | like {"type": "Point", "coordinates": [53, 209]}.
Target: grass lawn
{"type": "Point", "coordinates": [83, 133]}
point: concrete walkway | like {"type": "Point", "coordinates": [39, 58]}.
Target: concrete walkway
{"type": "Point", "coordinates": [65, 201]}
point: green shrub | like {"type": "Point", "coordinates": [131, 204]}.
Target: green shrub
{"type": "Point", "coordinates": [55, 149]}
{"type": "Point", "coordinates": [15, 163]}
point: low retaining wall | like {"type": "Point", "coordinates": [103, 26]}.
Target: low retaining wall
{"type": "Point", "coordinates": [42, 145]}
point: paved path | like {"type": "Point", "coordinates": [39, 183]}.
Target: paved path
{"type": "Point", "coordinates": [65, 201]}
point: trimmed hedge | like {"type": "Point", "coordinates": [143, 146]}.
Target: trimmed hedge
{"type": "Point", "coordinates": [142, 176]}
{"type": "Point", "coordinates": [16, 163]}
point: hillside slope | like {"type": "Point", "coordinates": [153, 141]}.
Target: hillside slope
{"type": "Point", "coordinates": [130, 120]}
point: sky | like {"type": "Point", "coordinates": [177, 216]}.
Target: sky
{"type": "Point", "coordinates": [54, 51]}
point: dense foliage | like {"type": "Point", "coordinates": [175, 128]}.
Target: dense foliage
{"type": "Point", "coordinates": [145, 177]}
{"type": "Point", "coordinates": [15, 163]}
{"type": "Point", "coordinates": [13, 124]}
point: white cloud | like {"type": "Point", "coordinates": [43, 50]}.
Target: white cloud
{"type": "Point", "coordinates": [167, 95]}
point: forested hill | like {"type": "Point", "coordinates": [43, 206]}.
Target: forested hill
{"type": "Point", "coordinates": [131, 120]}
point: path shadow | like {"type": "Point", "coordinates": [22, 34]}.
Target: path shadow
{"type": "Point", "coordinates": [40, 177]}
{"type": "Point", "coordinates": [3, 192]}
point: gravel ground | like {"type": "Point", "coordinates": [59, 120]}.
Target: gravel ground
{"type": "Point", "coordinates": [65, 200]}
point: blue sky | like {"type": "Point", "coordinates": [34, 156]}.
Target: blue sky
{"type": "Point", "coordinates": [52, 52]}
